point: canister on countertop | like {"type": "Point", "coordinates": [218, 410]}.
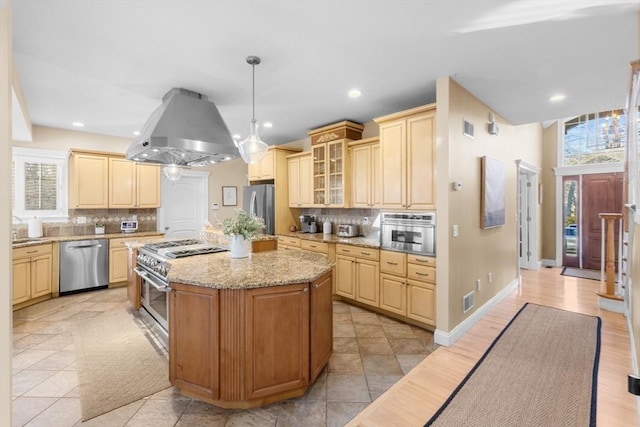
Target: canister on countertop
{"type": "Point", "coordinates": [326, 227]}
{"type": "Point", "coordinates": [35, 228]}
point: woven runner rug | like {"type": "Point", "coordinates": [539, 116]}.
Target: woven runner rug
{"type": "Point", "coordinates": [541, 370]}
{"type": "Point", "coordinates": [117, 363]}
{"type": "Point", "coordinates": [581, 273]}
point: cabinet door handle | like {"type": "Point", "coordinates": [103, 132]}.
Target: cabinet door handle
{"type": "Point", "coordinates": [366, 253]}
{"type": "Point", "coordinates": [346, 250]}
{"type": "Point", "coordinates": [32, 252]}
{"type": "Point", "coordinates": [422, 274]}
{"type": "Point", "coordinates": [421, 260]}
{"type": "Point", "coordinates": [316, 286]}
{"type": "Point", "coordinates": [312, 246]}
{"type": "Point", "coordinates": [305, 289]}
{"type": "Point", "coordinates": [392, 263]}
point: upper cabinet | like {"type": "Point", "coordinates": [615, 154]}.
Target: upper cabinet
{"type": "Point", "coordinates": [265, 169]}
{"type": "Point", "coordinates": [364, 156]}
{"type": "Point", "coordinates": [407, 159]}
{"type": "Point", "coordinates": [328, 150]}
{"type": "Point", "coordinates": [102, 180]}
{"type": "Point", "coordinates": [88, 181]}
{"type": "Point", "coordinates": [133, 185]}
{"type": "Point", "coordinates": [300, 180]}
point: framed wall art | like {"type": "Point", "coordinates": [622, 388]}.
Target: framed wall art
{"type": "Point", "coordinates": [493, 193]}
{"type": "Point", "coordinates": [229, 196]}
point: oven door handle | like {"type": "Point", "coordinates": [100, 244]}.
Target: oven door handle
{"type": "Point", "coordinates": [159, 286]}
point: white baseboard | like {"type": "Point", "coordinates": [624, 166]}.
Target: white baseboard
{"type": "Point", "coordinates": [616, 306]}
{"type": "Point", "coordinates": [548, 263]}
{"type": "Point", "coordinates": [447, 339]}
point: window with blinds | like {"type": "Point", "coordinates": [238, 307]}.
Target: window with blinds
{"type": "Point", "coordinates": [39, 183]}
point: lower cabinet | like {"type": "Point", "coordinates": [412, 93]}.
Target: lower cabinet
{"type": "Point", "coordinates": [357, 274]}
{"type": "Point", "coordinates": [245, 348]}
{"type": "Point", "coordinates": [118, 259]}
{"type": "Point", "coordinates": [407, 286]}
{"type": "Point", "coordinates": [32, 270]}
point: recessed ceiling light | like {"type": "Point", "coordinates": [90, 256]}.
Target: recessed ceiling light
{"type": "Point", "coordinates": [236, 136]}
{"type": "Point", "coordinates": [78, 124]}
{"type": "Point", "coordinates": [136, 133]}
{"type": "Point", "coordinates": [267, 125]}
{"type": "Point", "coordinates": [354, 93]}
{"type": "Point", "coordinates": [558, 97]}
{"type": "Point", "coordinates": [145, 155]}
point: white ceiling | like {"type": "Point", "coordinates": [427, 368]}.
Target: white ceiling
{"type": "Point", "coordinates": [108, 63]}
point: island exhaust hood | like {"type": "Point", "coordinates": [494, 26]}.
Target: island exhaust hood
{"type": "Point", "coordinates": [186, 130]}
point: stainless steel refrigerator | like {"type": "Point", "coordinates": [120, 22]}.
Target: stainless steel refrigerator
{"type": "Point", "coordinates": [260, 200]}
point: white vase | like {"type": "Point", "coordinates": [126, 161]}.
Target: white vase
{"type": "Point", "coordinates": [240, 247]}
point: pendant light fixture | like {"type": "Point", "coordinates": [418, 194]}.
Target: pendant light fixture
{"type": "Point", "coordinates": [173, 172]}
{"type": "Point", "coordinates": [253, 149]}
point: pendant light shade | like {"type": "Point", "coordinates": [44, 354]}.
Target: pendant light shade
{"type": "Point", "coordinates": [173, 172]}
{"type": "Point", "coordinates": [253, 149]}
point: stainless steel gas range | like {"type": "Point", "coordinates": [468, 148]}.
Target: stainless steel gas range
{"type": "Point", "coordinates": [153, 264]}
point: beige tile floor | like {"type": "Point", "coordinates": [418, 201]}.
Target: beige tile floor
{"type": "Point", "coordinates": [371, 352]}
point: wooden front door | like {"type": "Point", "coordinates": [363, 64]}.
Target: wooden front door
{"type": "Point", "coordinates": [601, 193]}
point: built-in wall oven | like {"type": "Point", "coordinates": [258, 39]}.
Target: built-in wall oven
{"type": "Point", "coordinates": [408, 232]}
{"type": "Point", "coordinates": [152, 266]}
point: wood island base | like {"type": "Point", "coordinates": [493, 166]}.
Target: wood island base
{"type": "Point", "coordinates": [244, 348]}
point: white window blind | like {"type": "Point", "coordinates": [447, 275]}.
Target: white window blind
{"type": "Point", "coordinates": [39, 183]}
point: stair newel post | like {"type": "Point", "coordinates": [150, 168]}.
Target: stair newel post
{"type": "Point", "coordinates": [610, 267]}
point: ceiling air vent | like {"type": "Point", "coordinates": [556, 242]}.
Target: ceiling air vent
{"type": "Point", "coordinates": [468, 129]}
{"type": "Point", "coordinates": [468, 301]}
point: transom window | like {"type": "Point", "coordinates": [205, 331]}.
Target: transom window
{"type": "Point", "coordinates": [39, 183]}
{"type": "Point", "coordinates": [595, 138]}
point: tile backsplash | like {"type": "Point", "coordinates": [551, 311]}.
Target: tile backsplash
{"type": "Point", "coordinates": [111, 218]}
{"type": "Point", "coordinates": [346, 216]}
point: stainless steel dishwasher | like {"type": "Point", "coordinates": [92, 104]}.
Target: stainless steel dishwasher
{"type": "Point", "coordinates": [84, 265]}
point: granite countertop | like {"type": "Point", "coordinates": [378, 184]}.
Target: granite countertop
{"type": "Point", "coordinates": [332, 238]}
{"type": "Point", "coordinates": [43, 240]}
{"type": "Point", "coordinates": [259, 270]}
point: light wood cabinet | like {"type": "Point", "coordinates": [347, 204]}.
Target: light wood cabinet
{"type": "Point", "coordinates": [133, 280]}
{"type": "Point", "coordinates": [300, 180]}
{"type": "Point", "coordinates": [364, 156]}
{"type": "Point", "coordinates": [88, 181]}
{"type": "Point", "coordinates": [264, 169]}
{"type": "Point", "coordinates": [118, 260]}
{"type": "Point", "coordinates": [407, 153]}
{"type": "Point", "coordinates": [329, 177]}
{"type": "Point", "coordinates": [133, 185]}
{"type": "Point", "coordinates": [288, 243]}
{"type": "Point", "coordinates": [357, 274]}
{"type": "Point", "coordinates": [407, 286]}
{"type": "Point", "coordinates": [103, 180]}
{"type": "Point", "coordinates": [32, 274]}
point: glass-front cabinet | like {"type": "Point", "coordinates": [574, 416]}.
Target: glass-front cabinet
{"type": "Point", "coordinates": [328, 174]}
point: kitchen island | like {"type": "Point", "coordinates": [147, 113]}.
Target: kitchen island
{"type": "Point", "coordinates": [250, 331]}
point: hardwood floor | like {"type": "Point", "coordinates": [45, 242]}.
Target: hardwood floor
{"type": "Point", "coordinates": [419, 394]}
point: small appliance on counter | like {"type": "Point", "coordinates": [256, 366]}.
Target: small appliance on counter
{"type": "Point", "coordinates": [128, 226]}
{"type": "Point", "coordinates": [308, 224]}
{"type": "Point", "coordinates": [35, 228]}
{"type": "Point", "coordinates": [347, 230]}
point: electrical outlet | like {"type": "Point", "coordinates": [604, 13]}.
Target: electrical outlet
{"type": "Point", "coordinates": [490, 277]}
{"type": "Point", "coordinates": [215, 206]}
{"type": "Point", "coordinates": [454, 230]}
{"type": "Point", "coordinates": [365, 221]}
{"type": "Point", "coordinates": [81, 220]}
{"type": "Point", "coordinates": [478, 285]}
{"type": "Point", "coordinates": [134, 217]}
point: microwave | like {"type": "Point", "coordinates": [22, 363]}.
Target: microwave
{"type": "Point", "coordinates": [128, 226]}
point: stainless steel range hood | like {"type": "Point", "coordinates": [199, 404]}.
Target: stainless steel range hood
{"type": "Point", "coordinates": [186, 130]}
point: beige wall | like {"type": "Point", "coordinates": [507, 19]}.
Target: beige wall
{"type": "Point", "coordinates": [233, 174]}
{"type": "Point", "coordinates": [47, 138]}
{"type": "Point", "coordinates": [6, 313]}
{"type": "Point", "coordinates": [475, 252]}
{"type": "Point", "coordinates": [548, 180]}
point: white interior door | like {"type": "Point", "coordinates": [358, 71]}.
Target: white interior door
{"type": "Point", "coordinates": [527, 216]}
{"type": "Point", "coordinates": [184, 205]}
